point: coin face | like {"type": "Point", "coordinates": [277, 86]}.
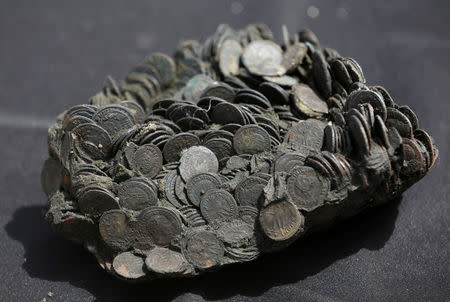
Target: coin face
{"type": "Point", "coordinates": [114, 229]}
{"type": "Point", "coordinates": [307, 133]}
{"type": "Point", "coordinates": [129, 266]}
{"type": "Point", "coordinates": [281, 220]}
{"type": "Point", "coordinates": [263, 58]}
{"type": "Point", "coordinates": [218, 205]}
{"type": "Point", "coordinates": [174, 146]}
{"type": "Point", "coordinates": [165, 261]}
{"type": "Point", "coordinates": [306, 101]}
{"type": "Point", "coordinates": [96, 200]}
{"type": "Point", "coordinates": [249, 192]}
{"type": "Point", "coordinates": [196, 160]}
{"type": "Point", "coordinates": [235, 232]}
{"type": "Point", "coordinates": [136, 194]}
{"type": "Point", "coordinates": [114, 119]}
{"type": "Point", "coordinates": [307, 188]}
{"type": "Point", "coordinates": [251, 139]}
{"type": "Point", "coordinates": [51, 176]}
{"type": "Point", "coordinates": [203, 249]}
{"type": "Point", "coordinates": [199, 184]}
{"type": "Point", "coordinates": [288, 161]}
{"type": "Point", "coordinates": [159, 224]}
{"type": "Point", "coordinates": [148, 160]}
{"type": "Point", "coordinates": [229, 56]}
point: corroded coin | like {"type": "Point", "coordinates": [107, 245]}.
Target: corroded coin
{"type": "Point", "coordinates": [281, 220]}
{"type": "Point", "coordinates": [129, 266]}
{"type": "Point", "coordinates": [249, 192]}
{"type": "Point", "coordinates": [114, 119]}
{"type": "Point", "coordinates": [172, 149]}
{"type": "Point", "coordinates": [96, 200]}
{"type": "Point", "coordinates": [158, 225]}
{"type": "Point", "coordinates": [251, 139]}
{"type": "Point", "coordinates": [307, 188]}
{"type": "Point", "coordinates": [203, 249]}
{"type": "Point", "coordinates": [218, 205]}
{"type": "Point", "coordinates": [114, 229]}
{"type": "Point", "coordinates": [199, 184]}
{"type": "Point", "coordinates": [229, 56]}
{"type": "Point", "coordinates": [51, 176]}
{"type": "Point", "coordinates": [165, 261]}
{"type": "Point", "coordinates": [196, 160]}
{"type": "Point", "coordinates": [307, 102]}
{"type": "Point", "coordinates": [136, 194]}
{"type": "Point", "coordinates": [288, 161]}
{"type": "Point", "coordinates": [307, 133]}
{"type": "Point", "coordinates": [236, 232]}
{"type": "Point", "coordinates": [148, 160]}
{"type": "Point", "coordinates": [263, 58]}
{"type": "Point", "coordinates": [221, 147]}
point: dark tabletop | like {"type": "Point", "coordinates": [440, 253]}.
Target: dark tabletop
{"type": "Point", "coordinates": [55, 55]}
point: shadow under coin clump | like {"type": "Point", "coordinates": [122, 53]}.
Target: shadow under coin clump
{"type": "Point", "coordinates": [52, 258]}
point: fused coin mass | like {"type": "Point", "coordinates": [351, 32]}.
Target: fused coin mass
{"type": "Point", "coordinates": [231, 148]}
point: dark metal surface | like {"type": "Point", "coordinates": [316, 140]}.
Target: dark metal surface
{"type": "Point", "coordinates": [54, 55]}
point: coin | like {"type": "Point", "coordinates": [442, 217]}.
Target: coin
{"type": "Point", "coordinates": [251, 139]}
{"type": "Point", "coordinates": [148, 160]}
{"type": "Point", "coordinates": [196, 160]}
{"type": "Point", "coordinates": [235, 232]}
{"type": "Point", "coordinates": [51, 176]}
{"type": "Point", "coordinates": [321, 74]}
{"type": "Point", "coordinates": [172, 149]}
{"type": "Point", "coordinates": [306, 101]}
{"type": "Point", "coordinates": [263, 58]}
{"type": "Point", "coordinates": [114, 229]}
{"type": "Point", "coordinates": [218, 205]}
{"type": "Point", "coordinates": [229, 56]}
{"type": "Point", "coordinates": [158, 225]}
{"type": "Point", "coordinates": [164, 65]}
{"type": "Point", "coordinates": [165, 261]}
{"type": "Point", "coordinates": [96, 200]}
{"type": "Point", "coordinates": [202, 249]}
{"type": "Point", "coordinates": [281, 220]}
{"type": "Point", "coordinates": [129, 266]}
{"type": "Point", "coordinates": [305, 133]}
{"type": "Point", "coordinates": [367, 96]}
{"type": "Point", "coordinates": [221, 147]}
{"type": "Point", "coordinates": [249, 192]}
{"type": "Point", "coordinates": [136, 194]}
{"type": "Point", "coordinates": [114, 118]}
{"type": "Point", "coordinates": [199, 184]}
{"type": "Point", "coordinates": [226, 113]}
{"type": "Point", "coordinates": [307, 188]}
{"type": "Point", "coordinates": [94, 134]}
{"type": "Point", "coordinates": [288, 161]}
{"type": "Point", "coordinates": [399, 121]}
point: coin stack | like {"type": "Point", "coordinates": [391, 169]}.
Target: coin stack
{"type": "Point", "coordinates": [227, 150]}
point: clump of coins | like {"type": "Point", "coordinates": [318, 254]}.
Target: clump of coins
{"type": "Point", "coordinates": [227, 150]}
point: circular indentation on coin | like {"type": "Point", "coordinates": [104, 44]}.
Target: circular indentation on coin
{"type": "Point", "coordinates": [307, 188]}
{"type": "Point", "coordinates": [218, 205]}
{"type": "Point", "coordinates": [199, 184]}
{"type": "Point", "coordinates": [196, 160]}
{"type": "Point", "coordinates": [203, 249]}
{"type": "Point", "coordinates": [250, 191]}
{"type": "Point", "coordinates": [172, 149]}
{"type": "Point", "coordinates": [158, 224]}
{"type": "Point", "coordinates": [129, 266]}
{"type": "Point", "coordinates": [114, 229]}
{"type": "Point", "coordinates": [281, 220]}
{"type": "Point", "coordinates": [263, 58]}
{"type": "Point", "coordinates": [251, 139]}
{"type": "Point", "coordinates": [165, 261]}
{"type": "Point", "coordinates": [136, 194]}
